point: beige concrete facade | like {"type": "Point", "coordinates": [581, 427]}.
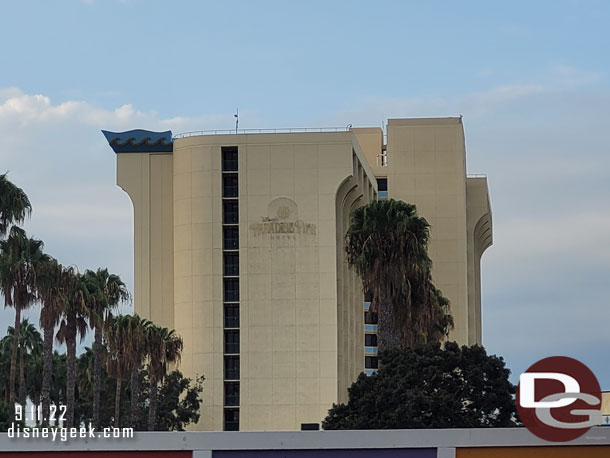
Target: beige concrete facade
{"type": "Point", "coordinates": [300, 308]}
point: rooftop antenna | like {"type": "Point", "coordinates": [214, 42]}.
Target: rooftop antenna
{"type": "Point", "coordinates": [236, 116]}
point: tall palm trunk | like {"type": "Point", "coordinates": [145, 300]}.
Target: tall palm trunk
{"type": "Point", "coordinates": [22, 388]}
{"type": "Point", "coordinates": [135, 396]}
{"type": "Point", "coordinates": [36, 402]}
{"type": "Point", "coordinates": [117, 402]}
{"type": "Point", "coordinates": [388, 334]}
{"type": "Point", "coordinates": [97, 374]}
{"type": "Point", "coordinates": [70, 371]}
{"type": "Point", "coordinates": [152, 412]}
{"type": "Point", "coordinates": [13, 369]}
{"type": "Point", "coordinates": [47, 371]}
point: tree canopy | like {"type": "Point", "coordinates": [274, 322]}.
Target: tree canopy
{"type": "Point", "coordinates": [428, 387]}
{"type": "Point", "coordinates": [387, 245]}
{"type": "Point", "coordinates": [14, 204]}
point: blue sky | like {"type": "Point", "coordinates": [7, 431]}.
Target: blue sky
{"type": "Point", "coordinates": [530, 78]}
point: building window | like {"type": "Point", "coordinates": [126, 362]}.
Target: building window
{"type": "Point", "coordinates": [230, 212]}
{"type": "Point", "coordinates": [229, 185]}
{"type": "Point", "coordinates": [231, 419]}
{"type": "Point", "coordinates": [382, 184]}
{"type": "Point", "coordinates": [370, 340]}
{"type": "Point", "coordinates": [370, 362]}
{"type": "Point", "coordinates": [232, 393]}
{"type": "Point", "coordinates": [229, 158]}
{"type": "Point", "coordinates": [368, 296]}
{"type": "Point", "coordinates": [382, 187]}
{"type": "Point", "coordinates": [231, 367]}
{"type": "Point", "coordinates": [231, 316]}
{"type": "Point", "coordinates": [231, 287]}
{"type": "Point", "coordinates": [230, 238]}
{"type": "Point", "coordinates": [231, 261]}
{"type": "Point", "coordinates": [231, 341]}
{"type": "Point", "coordinates": [370, 317]}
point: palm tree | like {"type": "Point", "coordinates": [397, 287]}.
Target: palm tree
{"type": "Point", "coordinates": [33, 377]}
{"type": "Point", "coordinates": [14, 205]}
{"type": "Point", "coordinates": [84, 371]}
{"type": "Point", "coordinates": [51, 284]}
{"type": "Point", "coordinates": [118, 336]}
{"type": "Point", "coordinates": [30, 345]}
{"type": "Point", "coordinates": [136, 354]}
{"type": "Point", "coordinates": [6, 348]}
{"type": "Point", "coordinates": [164, 347]}
{"type": "Point", "coordinates": [84, 386]}
{"type": "Point", "coordinates": [73, 325]}
{"type": "Point", "coordinates": [105, 292]}
{"type": "Point", "coordinates": [387, 244]}
{"type": "Point", "coordinates": [59, 381]}
{"type": "Point", "coordinates": [20, 257]}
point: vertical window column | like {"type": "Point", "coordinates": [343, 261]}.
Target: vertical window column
{"type": "Point", "coordinates": [370, 337]}
{"type": "Point", "coordinates": [382, 187]}
{"type": "Point", "coordinates": [230, 268]}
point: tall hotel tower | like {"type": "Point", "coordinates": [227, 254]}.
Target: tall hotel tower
{"type": "Point", "coordinates": [239, 246]}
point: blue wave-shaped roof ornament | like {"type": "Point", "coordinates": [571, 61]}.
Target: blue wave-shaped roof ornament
{"type": "Point", "coordinates": [140, 141]}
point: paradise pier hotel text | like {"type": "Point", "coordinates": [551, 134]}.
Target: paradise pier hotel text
{"type": "Point", "coordinates": [239, 247]}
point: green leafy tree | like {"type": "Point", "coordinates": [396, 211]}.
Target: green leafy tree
{"type": "Point", "coordinates": [14, 205]}
{"type": "Point", "coordinates": [387, 243]}
{"type": "Point", "coordinates": [428, 387]}
{"type": "Point", "coordinates": [105, 292]}
{"type": "Point", "coordinates": [20, 257]}
{"type": "Point", "coordinates": [179, 402]}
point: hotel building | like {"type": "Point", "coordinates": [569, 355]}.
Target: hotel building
{"type": "Point", "coordinates": [239, 247]}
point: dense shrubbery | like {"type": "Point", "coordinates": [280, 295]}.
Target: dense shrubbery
{"type": "Point", "coordinates": [428, 387]}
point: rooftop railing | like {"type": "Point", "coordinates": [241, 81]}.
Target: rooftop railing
{"type": "Point", "coordinates": [289, 130]}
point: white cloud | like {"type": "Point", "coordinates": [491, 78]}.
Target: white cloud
{"type": "Point", "coordinates": [27, 110]}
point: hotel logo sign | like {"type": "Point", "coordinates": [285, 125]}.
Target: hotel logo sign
{"type": "Point", "coordinates": [282, 221]}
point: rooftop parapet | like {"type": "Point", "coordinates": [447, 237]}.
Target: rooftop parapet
{"type": "Point", "coordinates": [140, 141]}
